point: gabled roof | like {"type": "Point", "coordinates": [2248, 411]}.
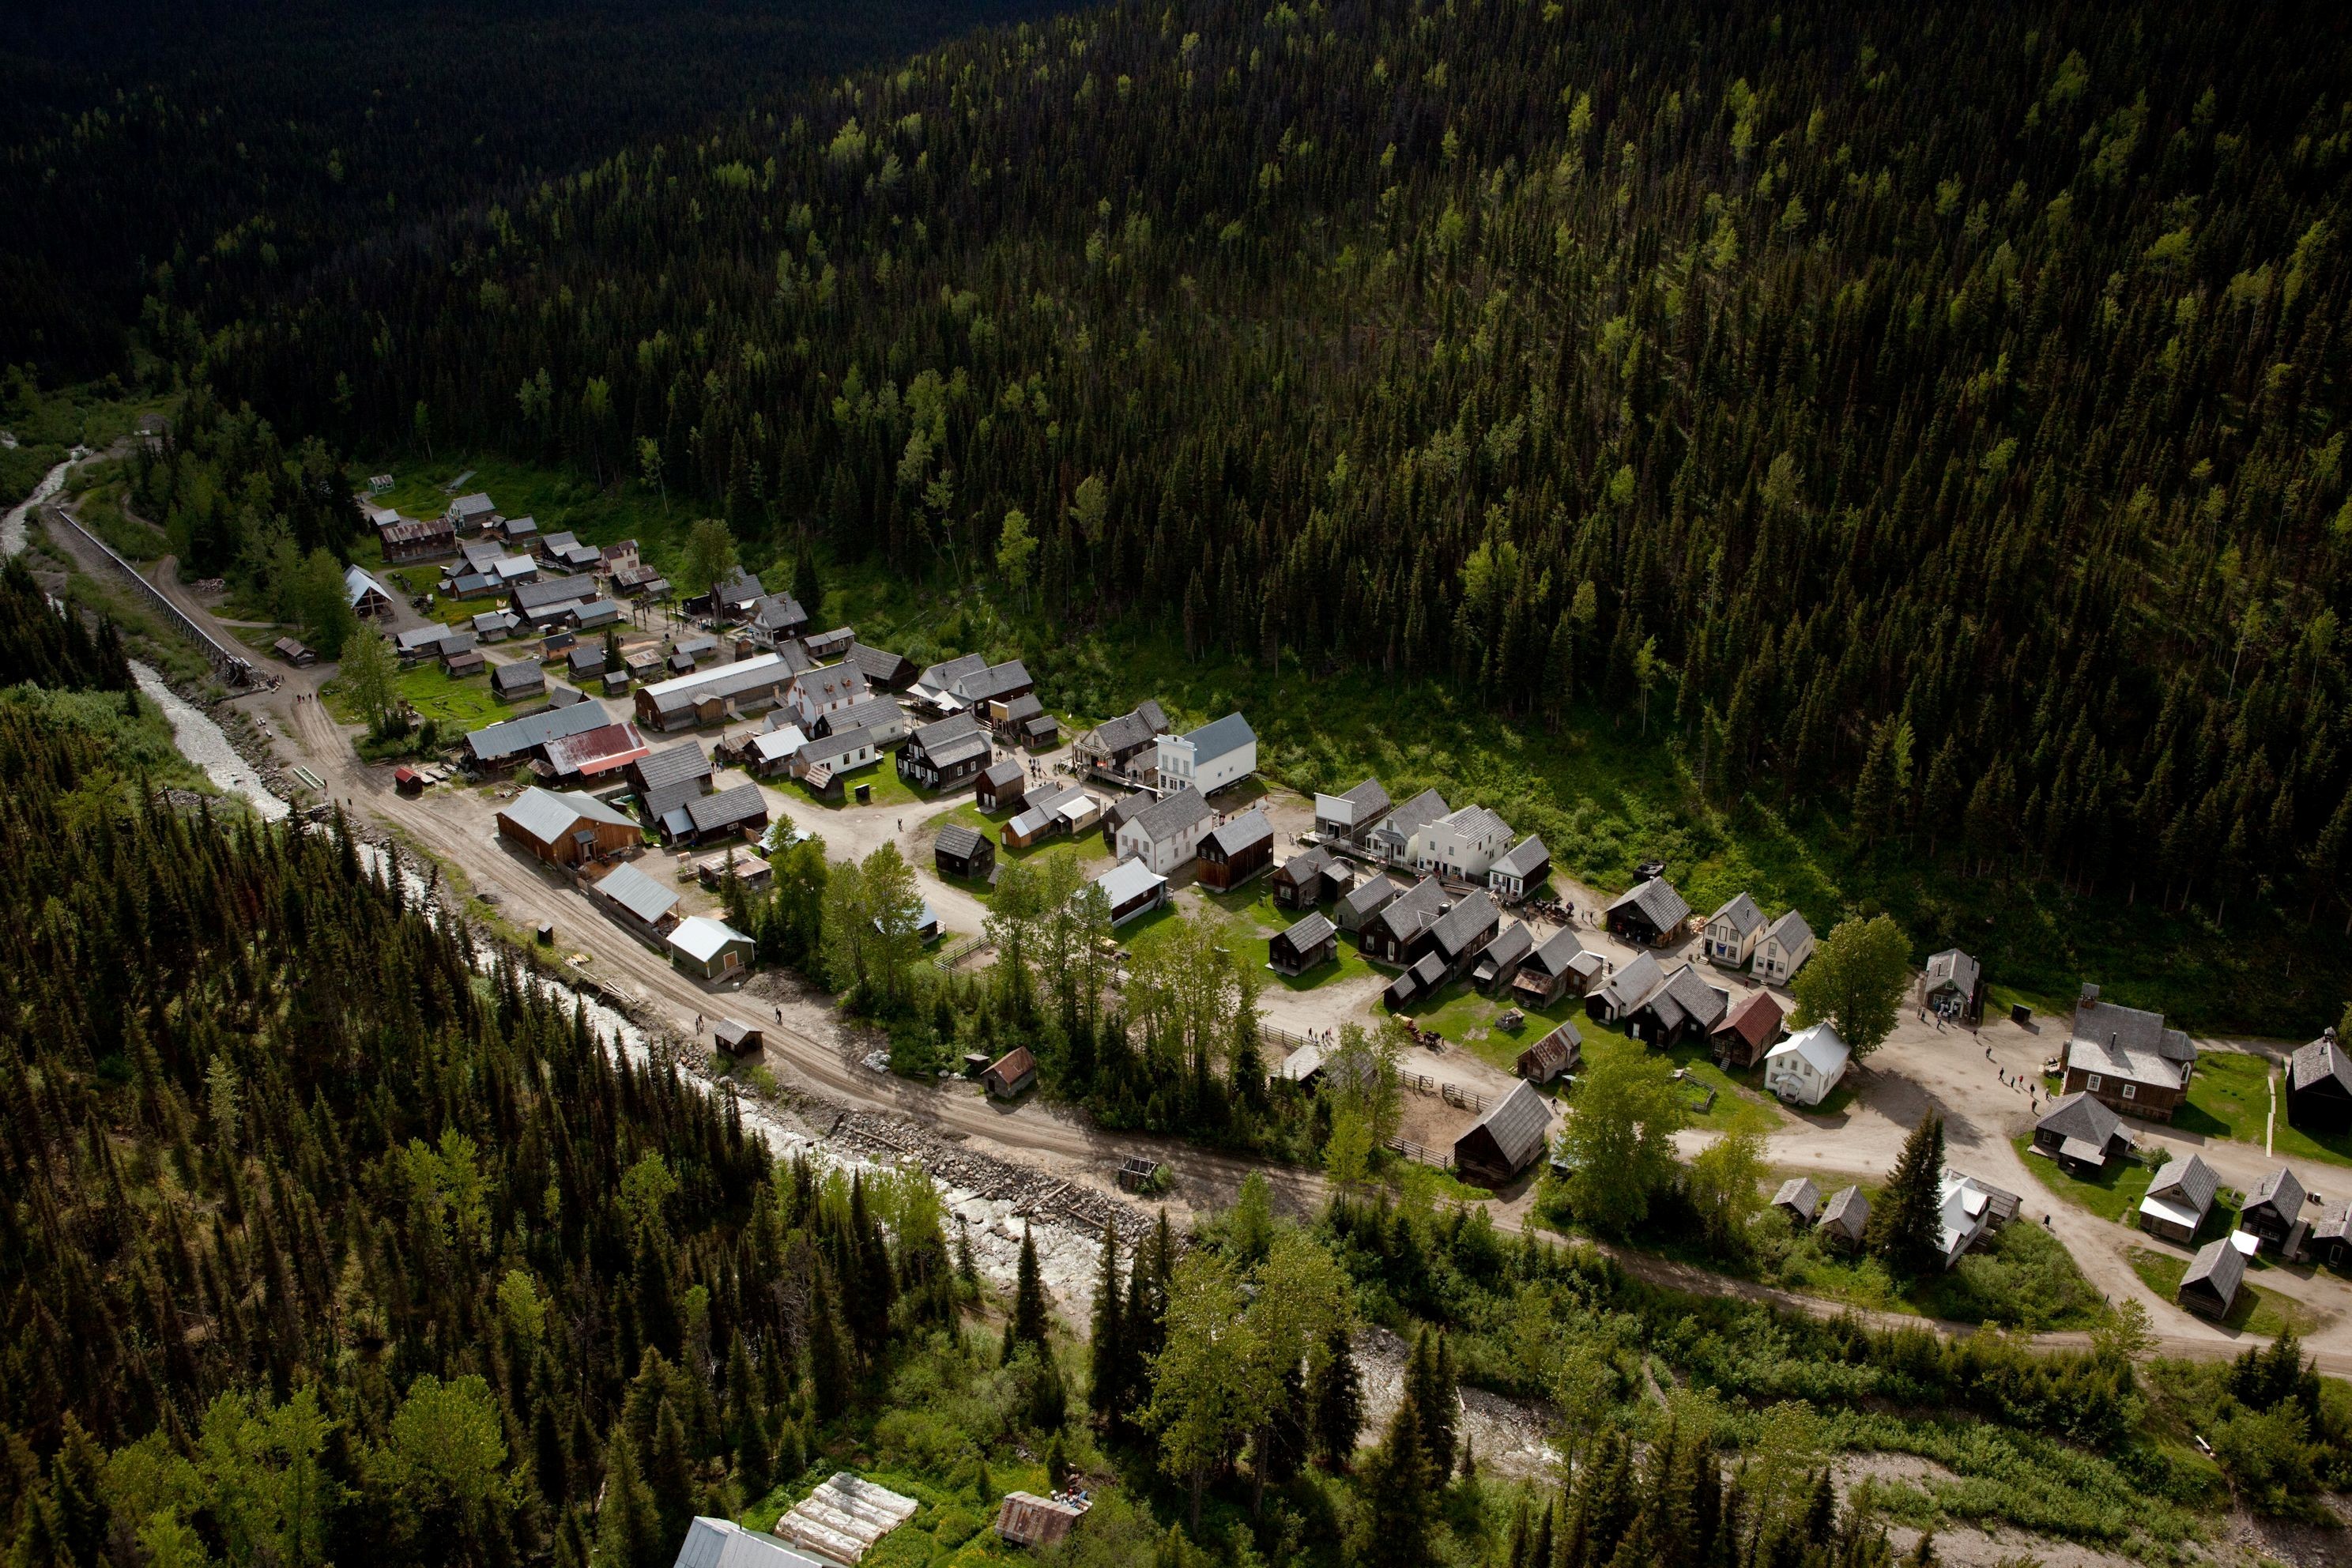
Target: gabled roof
{"type": "Point", "coordinates": [358, 583]}
{"type": "Point", "coordinates": [2322, 1061]}
{"type": "Point", "coordinates": [741, 588]}
{"type": "Point", "coordinates": [1789, 931]}
{"type": "Point", "coordinates": [1406, 820]}
{"type": "Point", "coordinates": [1510, 947]}
{"type": "Point", "coordinates": [1128, 880]}
{"type": "Point", "coordinates": [2081, 1116]}
{"type": "Point", "coordinates": [597, 751]}
{"type": "Point", "coordinates": [701, 938]}
{"type": "Point", "coordinates": [1818, 1047]}
{"type": "Point", "coordinates": [1518, 1123]}
{"type": "Point", "coordinates": [520, 676]}
{"type": "Point", "coordinates": [1132, 729]}
{"type": "Point", "coordinates": [1367, 796]}
{"type": "Point", "coordinates": [958, 842]}
{"type": "Point", "coordinates": [1219, 737]}
{"type": "Point", "coordinates": [1954, 970]}
{"type": "Point", "coordinates": [1740, 913]}
{"type": "Point", "coordinates": [1755, 1019]}
{"type": "Point", "coordinates": [723, 1543]}
{"type": "Point", "coordinates": [2191, 1181]}
{"type": "Point", "coordinates": [511, 737]}
{"type": "Point", "coordinates": [881, 665]}
{"type": "Point", "coordinates": [1374, 893]}
{"type": "Point", "coordinates": [1171, 815]}
{"type": "Point", "coordinates": [930, 740]}
{"type": "Point", "coordinates": [726, 808]}
{"type": "Point", "coordinates": [1308, 863]}
{"type": "Point", "coordinates": [1307, 932]}
{"type": "Point", "coordinates": [475, 505]}
{"type": "Point", "coordinates": [1632, 986]}
{"type": "Point", "coordinates": [637, 893]}
{"type": "Point", "coordinates": [1473, 821]}
{"type": "Point", "coordinates": [1525, 859]}
{"type": "Point", "coordinates": [1797, 1193]}
{"type": "Point", "coordinates": [1687, 998]}
{"type": "Point", "coordinates": [1464, 925]}
{"type": "Point", "coordinates": [1414, 911]}
{"type": "Point", "coordinates": [2140, 1065]}
{"type": "Point", "coordinates": [548, 815]}
{"type": "Point", "coordinates": [1657, 899]}
{"type": "Point", "coordinates": [1555, 1052]}
{"type": "Point", "coordinates": [2282, 1191]}
{"type": "Point", "coordinates": [998, 775]}
{"type": "Point", "coordinates": [778, 613]}
{"type": "Point", "coordinates": [836, 743]}
{"type": "Point", "coordinates": [678, 764]}
{"type": "Point", "coordinates": [2218, 1266]}
{"type": "Point", "coordinates": [1553, 954]}
{"type": "Point", "coordinates": [1243, 832]}
{"type": "Point", "coordinates": [1847, 1213]}
{"type": "Point", "coordinates": [2134, 1028]}
{"type": "Point", "coordinates": [993, 681]}
{"type": "Point", "coordinates": [549, 591]}
{"type": "Point", "coordinates": [833, 683]}
{"type": "Point", "coordinates": [722, 680]}
{"type": "Point", "coordinates": [943, 676]}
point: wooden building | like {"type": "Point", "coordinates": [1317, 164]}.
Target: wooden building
{"type": "Point", "coordinates": [566, 829]}
{"type": "Point", "coordinates": [945, 755]}
{"type": "Point", "coordinates": [1312, 941]}
{"type": "Point", "coordinates": [2319, 1086]}
{"type": "Point", "coordinates": [1559, 966]}
{"type": "Point", "coordinates": [1011, 1074]}
{"type": "Point", "coordinates": [1236, 850]}
{"type": "Point", "coordinates": [1560, 1051]}
{"type": "Point", "coordinates": [2209, 1286]}
{"type": "Point", "coordinates": [1649, 914]}
{"type": "Point", "coordinates": [1509, 1138]}
{"type": "Point", "coordinates": [965, 852]}
{"type": "Point", "coordinates": [2128, 1058]}
{"type": "Point", "coordinates": [1307, 880]}
{"type": "Point", "coordinates": [2274, 1211]}
{"type": "Point", "coordinates": [2081, 1135]}
{"type": "Point", "coordinates": [1000, 787]}
{"type": "Point", "coordinates": [1751, 1029]}
{"type": "Point", "coordinates": [2178, 1199]}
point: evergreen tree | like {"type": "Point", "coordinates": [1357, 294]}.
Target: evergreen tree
{"type": "Point", "coordinates": [1109, 1380]}
{"type": "Point", "coordinates": [1338, 1401]}
{"type": "Point", "coordinates": [1398, 1486]}
{"type": "Point", "coordinates": [1027, 1326]}
{"type": "Point", "coordinates": [629, 1524]}
{"type": "Point", "coordinates": [669, 1474]}
{"type": "Point", "coordinates": [1906, 1224]}
{"type": "Point", "coordinates": [829, 1373]}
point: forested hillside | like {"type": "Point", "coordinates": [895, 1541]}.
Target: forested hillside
{"type": "Point", "coordinates": [203, 152]}
{"type": "Point", "coordinates": [1936, 414]}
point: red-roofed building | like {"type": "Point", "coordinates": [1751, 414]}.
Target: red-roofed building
{"type": "Point", "coordinates": [593, 753]}
{"type": "Point", "coordinates": [1748, 1031]}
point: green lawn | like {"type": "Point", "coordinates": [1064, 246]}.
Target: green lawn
{"type": "Point", "coordinates": [881, 777]}
{"type": "Point", "coordinates": [1087, 848]}
{"type": "Point", "coordinates": [1466, 1019]}
{"type": "Point", "coordinates": [459, 705]}
{"type": "Point", "coordinates": [2230, 1095]}
{"type": "Point", "coordinates": [560, 499]}
{"type": "Point", "coordinates": [2256, 1311]}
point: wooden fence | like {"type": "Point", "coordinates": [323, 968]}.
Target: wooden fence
{"type": "Point", "coordinates": [1454, 1094]}
{"type": "Point", "coordinates": [1420, 1153]}
{"type": "Point", "coordinates": [955, 952]}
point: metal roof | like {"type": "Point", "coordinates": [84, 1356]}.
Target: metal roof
{"type": "Point", "coordinates": [701, 938]}
{"type": "Point", "coordinates": [513, 737]}
{"type": "Point", "coordinates": [547, 815]}
{"type": "Point", "coordinates": [1818, 1046]}
{"type": "Point", "coordinates": [639, 894]}
{"type": "Point", "coordinates": [1219, 737]}
{"type": "Point", "coordinates": [1128, 880]}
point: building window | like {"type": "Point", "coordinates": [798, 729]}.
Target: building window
{"type": "Point", "coordinates": [2131, 1092]}
{"type": "Point", "coordinates": [2091, 1081]}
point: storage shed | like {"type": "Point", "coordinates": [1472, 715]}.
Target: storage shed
{"type": "Point", "coordinates": [2210, 1287]}
{"type": "Point", "coordinates": [1561, 1051]}
{"type": "Point", "coordinates": [1312, 941]}
{"type": "Point", "coordinates": [966, 852]}
{"type": "Point", "coordinates": [1505, 1140]}
{"type": "Point", "coordinates": [1011, 1074]}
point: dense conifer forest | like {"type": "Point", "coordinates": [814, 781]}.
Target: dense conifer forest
{"type": "Point", "coordinates": [1938, 413]}
{"type": "Point", "coordinates": [206, 152]}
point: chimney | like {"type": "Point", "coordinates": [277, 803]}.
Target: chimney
{"type": "Point", "coordinates": [2090, 995]}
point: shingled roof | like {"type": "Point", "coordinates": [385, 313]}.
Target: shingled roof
{"type": "Point", "coordinates": [1663, 906]}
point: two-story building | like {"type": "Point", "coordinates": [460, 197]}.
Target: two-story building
{"type": "Point", "coordinates": [1166, 834]}
{"type": "Point", "coordinates": [1730, 934]}
{"type": "Point", "coordinates": [1461, 844]}
{"type": "Point", "coordinates": [2128, 1059]}
{"type": "Point", "coordinates": [1216, 756]}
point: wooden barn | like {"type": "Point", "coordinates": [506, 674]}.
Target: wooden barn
{"type": "Point", "coordinates": [1312, 941]}
{"type": "Point", "coordinates": [1561, 1051]}
{"type": "Point", "coordinates": [1649, 914]}
{"type": "Point", "coordinates": [1236, 850]}
{"type": "Point", "coordinates": [966, 852]}
{"type": "Point", "coordinates": [2319, 1086]}
{"type": "Point", "coordinates": [1000, 787]}
{"type": "Point", "coordinates": [1509, 1138]}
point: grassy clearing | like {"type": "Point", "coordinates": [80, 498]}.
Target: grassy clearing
{"type": "Point", "coordinates": [2256, 1311]}
{"type": "Point", "coordinates": [1739, 1106]}
{"type": "Point", "coordinates": [2230, 1097]}
{"type": "Point", "coordinates": [1252, 908]}
{"type": "Point", "coordinates": [879, 777]}
{"type": "Point", "coordinates": [1087, 848]}
{"type": "Point", "coordinates": [458, 705]}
